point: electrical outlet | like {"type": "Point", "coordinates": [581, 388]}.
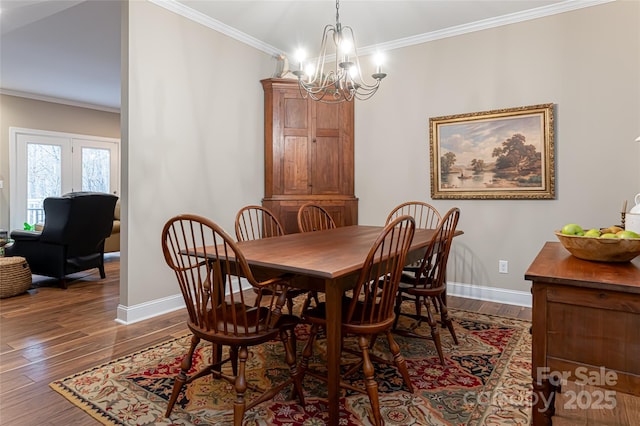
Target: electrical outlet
{"type": "Point", "coordinates": [503, 266]}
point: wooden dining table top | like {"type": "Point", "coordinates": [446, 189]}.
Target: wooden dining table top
{"type": "Point", "coordinates": [327, 254]}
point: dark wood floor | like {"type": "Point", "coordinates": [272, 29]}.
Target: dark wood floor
{"type": "Point", "coordinates": [49, 333]}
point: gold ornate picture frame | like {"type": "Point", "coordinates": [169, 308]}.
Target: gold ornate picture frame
{"type": "Point", "coordinates": [500, 154]}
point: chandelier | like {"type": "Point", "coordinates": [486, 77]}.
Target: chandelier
{"type": "Point", "coordinates": [343, 81]}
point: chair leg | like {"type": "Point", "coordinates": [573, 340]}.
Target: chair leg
{"type": "Point", "coordinates": [241, 387]}
{"type": "Point", "coordinates": [290, 304]}
{"type": "Point", "coordinates": [101, 269]}
{"type": "Point", "coordinates": [294, 340]}
{"type": "Point", "coordinates": [294, 371]}
{"type": "Point", "coordinates": [435, 334]}
{"type": "Point", "coordinates": [233, 355]}
{"type": "Point", "coordinates": [370, 383]}
{"type": "Point", "coordinates": [438, 304]}
{"type": "Point", "coordinates": [444, 316]}
{"type": "Point", "coordinates": [399, 360]}
{"type": "Point", "coordinates": [181, 379]}
{"type": "Point", "coordinates": [307, 300]}
{"type": "Point", "coordinates": [216, 354]}
{"type": "Point", "coordinates": [307, 351]}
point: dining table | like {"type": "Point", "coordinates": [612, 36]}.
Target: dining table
{"type": "Point", "coordinates": [327, 261]}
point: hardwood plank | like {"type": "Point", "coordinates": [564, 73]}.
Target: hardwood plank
{"type": "Point", "coordinates": [49, 333]}
{"type": "Point", "coordinates": [572, 396]}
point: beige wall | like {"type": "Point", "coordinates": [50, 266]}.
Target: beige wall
{"type": "Point", "coordinates": [194, 141]}
{"type": "Point", "coordinates": [587, 62]}
{"type": "Point", "coordinates": [33, 114]}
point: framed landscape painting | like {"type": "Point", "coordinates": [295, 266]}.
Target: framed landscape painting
{"type": "Point", "coordinates": [500, 154]}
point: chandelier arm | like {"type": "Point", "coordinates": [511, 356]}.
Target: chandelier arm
{"type": "Point", "coordinates": [345, 81]}
{"type": "Point", "coordinates": [363, 82]}
{"type": "Point", "coordinates": [320, 62]}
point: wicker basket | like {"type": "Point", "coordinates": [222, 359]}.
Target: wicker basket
{"type": "Point", "coordinates": [15, 276]}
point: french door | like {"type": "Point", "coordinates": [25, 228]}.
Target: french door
{"type": "Point", "coordinates": [45, 164]}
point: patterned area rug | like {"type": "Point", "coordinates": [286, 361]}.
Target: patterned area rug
{"type": "Point", "coordinates": [486, 381]}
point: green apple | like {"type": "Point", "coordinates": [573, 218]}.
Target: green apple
{"type": "Point", "coordinates": [592, 233]}
{"type": "Point", "coordinates": [572, 229]}
{"type": "Point", "coordinates": [608, 235]}
{"type": "Point", "coordinates": [627, 234]}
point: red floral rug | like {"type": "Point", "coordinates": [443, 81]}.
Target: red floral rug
{"type": "Point", "coordinates": [486, 381]}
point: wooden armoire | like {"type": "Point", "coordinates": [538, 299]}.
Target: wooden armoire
{"type": "Point", "coordinates": [308, 150]}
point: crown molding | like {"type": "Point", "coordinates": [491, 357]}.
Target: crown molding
{"type": "Point", "coordinates": [512, 18]}
{"type": "Point", "coordinates": [214, 24]}
{"type": "Point", "coordinates": [55, 100]}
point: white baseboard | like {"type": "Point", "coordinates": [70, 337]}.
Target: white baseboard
{"type": "Point", "coordinates": [130, 314]}
{"type": "Point", "coordinates": [153, 308]}
{"type": "Point", "coordinates": [490, 294]}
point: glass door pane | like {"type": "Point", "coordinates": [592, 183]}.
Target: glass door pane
{"type": "Point", "coordinates": [44, 178]}
{"type": "Point", "coordinates": [95, 165]}
{"type": "Point", "coordinates": [96, 169]}
{"type": "Point", "coordinates": [40, 165]}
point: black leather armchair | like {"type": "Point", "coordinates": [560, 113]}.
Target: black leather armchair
{"type": "Point", "coordinates": [72, 239]}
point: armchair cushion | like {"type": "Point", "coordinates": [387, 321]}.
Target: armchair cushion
{"type": "Point", "coordinates": [112, 243]}
{"type": "Point", "coordinates": [25, 235]}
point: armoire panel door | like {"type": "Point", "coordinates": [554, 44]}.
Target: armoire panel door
{"type": "Point", "coordinates": [326, 166]}
{"type": "Point", "coordinates": [295, 165]}
{"type": "Point", "coordinates": [293, 151]}
{"type": "Point", "coordinates": [296, 113]}
{"type": "Point", "coordinates": [326, 150]}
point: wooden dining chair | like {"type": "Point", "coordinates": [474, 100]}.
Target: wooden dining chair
{"type": "Point", "coordinates": [256, 222]}
{"type": "Point", "coordinates": [211, 285]}
{"type": "Point", "coordinates": [428, 284]}
{"type": "Point", "coordinates": [370, 311]}
{"type": "Point", "coordinates": [312, 217]}
{"type": "Point", "coordinates": [426, 217]}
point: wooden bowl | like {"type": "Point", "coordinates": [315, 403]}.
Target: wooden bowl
{"type": "Point", "coordinates": [601, 249]}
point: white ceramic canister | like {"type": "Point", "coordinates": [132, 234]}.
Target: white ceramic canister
{"type": "Point", "coordinates": [632, 219]}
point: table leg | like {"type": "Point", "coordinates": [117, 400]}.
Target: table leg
{"type": "Point", "coordinates": [333, 299]}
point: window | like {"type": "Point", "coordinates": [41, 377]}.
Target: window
{"type": "Point", "coordinates": [45, 164]}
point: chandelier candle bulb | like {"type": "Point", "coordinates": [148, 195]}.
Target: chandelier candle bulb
{"type": "Point", "coordinates": [343, 80]}
{"type": "Point", "coordinates": [300, 56]}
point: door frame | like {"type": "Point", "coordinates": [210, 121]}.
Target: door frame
{"type": "Point", "coordinates": [73, 140]}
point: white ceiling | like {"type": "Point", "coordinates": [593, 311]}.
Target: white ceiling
{"type": "Point", "coordinates": [70, 50]}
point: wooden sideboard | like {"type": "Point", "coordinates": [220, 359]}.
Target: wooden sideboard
{"type": "Point", "coordinates": [586, 327]}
